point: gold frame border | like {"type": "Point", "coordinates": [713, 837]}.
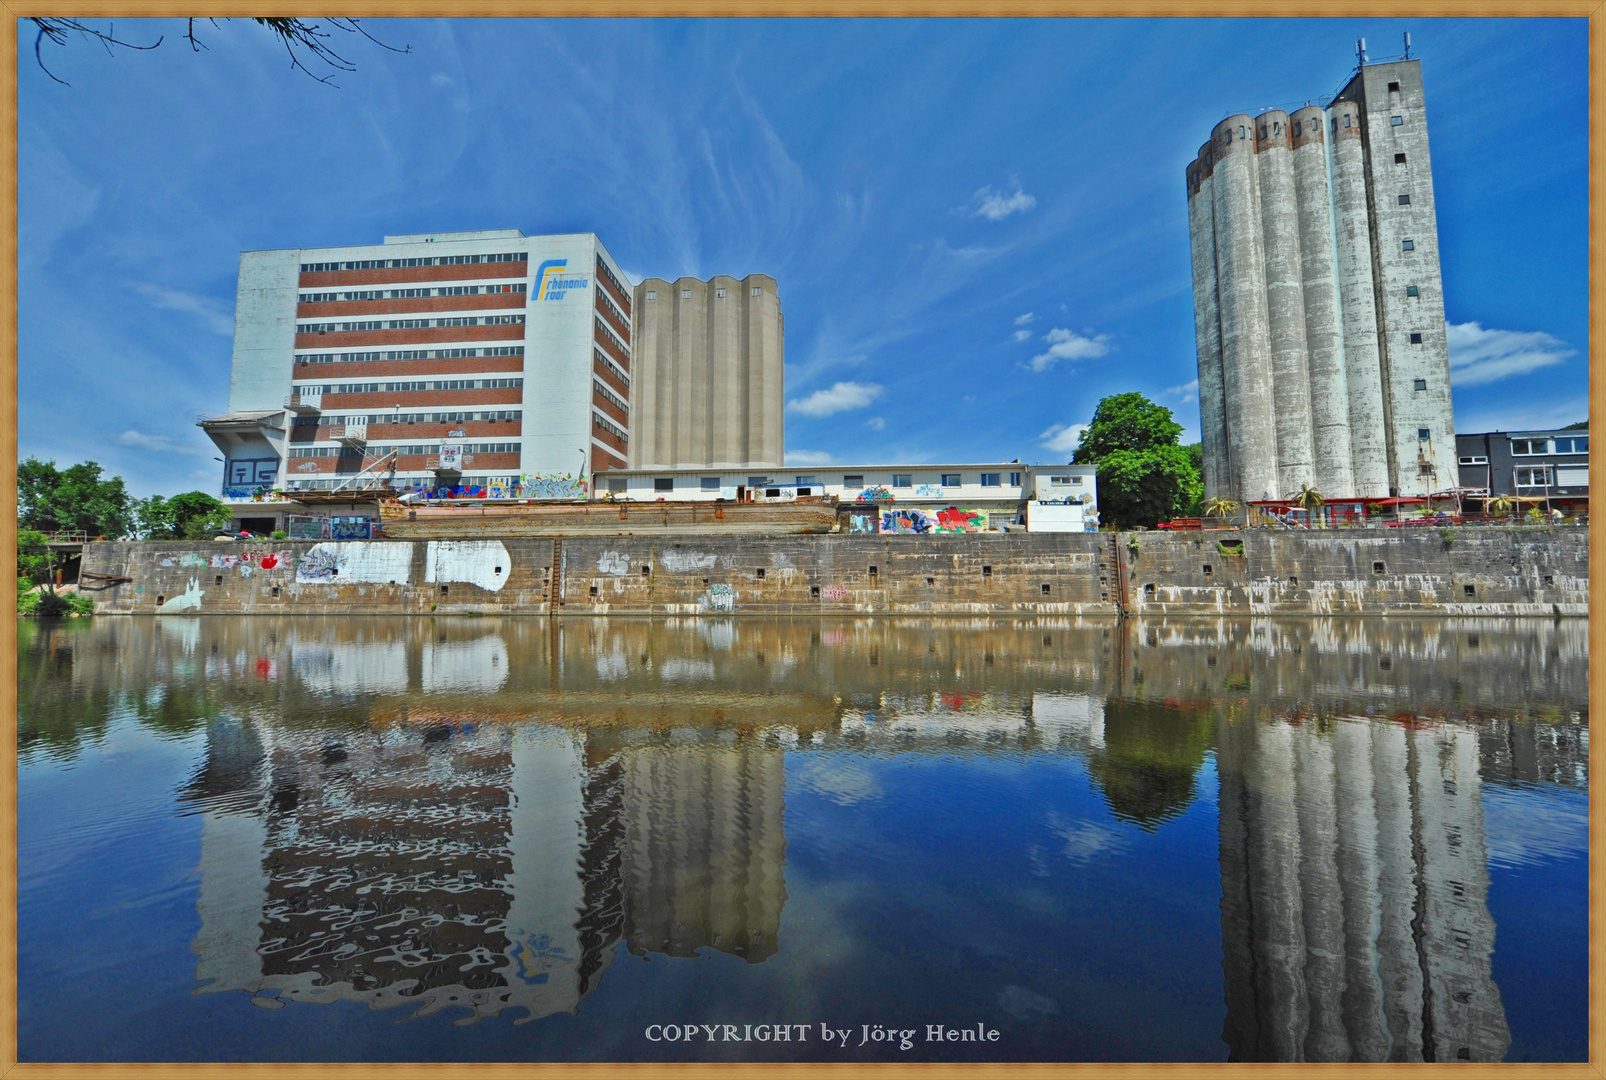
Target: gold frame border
{"type": "Point", "coordinates": [1594, 10]}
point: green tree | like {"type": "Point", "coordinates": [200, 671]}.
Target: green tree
{"type": "Point", "coordinates": [1145, 475]}
{"type": "Point", "coordinates": [73, 499]}
{"type": "Point", "coordinates": [194, 515]}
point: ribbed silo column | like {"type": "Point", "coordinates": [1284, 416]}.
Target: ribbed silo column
{"type": "Point", "coordinates": [1363, 371]}
{"type": "Point", "coordinates": [1285, 302]}
{"type": "Point", "coordinates": [1241, 285]}
{"type": "Point", "coordinates": [1207, 323]}
{"type": "Point", "coordinates": [1324, 350]}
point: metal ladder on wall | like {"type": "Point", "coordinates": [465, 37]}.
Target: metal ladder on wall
{"type": "Point", "coordinates": [555, 597]}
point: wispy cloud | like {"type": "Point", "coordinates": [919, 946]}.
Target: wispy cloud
{"type": "Point", "coordinates": [1479, 356]}
{"type": "Point", "coordinates": [1185, 392]}
{"type": "Point", "coordinates": [1022, 320]}
{"type": "Point", "coordinates": [161, 444]}
{"type": "Point", "coordinates": [1068, 345]}
{"type": "Point", "coordinates": [840, 397]}
{"type": "Point", "coordinates": [218, 319]}
{"type": "Point", "coordinates": [1023, 335]}
{"type": "Point", "coordinates": [876, 423]}
{"type": "Point", "coordinates": [808, 457]}
{"type": "Point", "coordinates": [1062, 438]}
{"type": "Point", "coordinates": [995, 205]}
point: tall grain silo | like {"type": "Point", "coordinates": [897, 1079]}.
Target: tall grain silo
{"type": "Point", "coordinates": [1207, 324]}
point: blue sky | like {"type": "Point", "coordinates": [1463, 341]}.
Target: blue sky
{"type": "Point", "coordinates": [979, 228]}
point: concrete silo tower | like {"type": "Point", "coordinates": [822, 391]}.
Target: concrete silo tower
{"type": "Point", "coordinates": [1318, 305]}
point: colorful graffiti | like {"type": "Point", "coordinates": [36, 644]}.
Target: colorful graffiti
{"type": "Point", "coordinates": [551, 487]}
{"type": "Point", "coordinates": [720, 597]}
{"type": "Point", "coordinates": [928, 491]}
{"type": "Point", "coordinates": [878, 493]}
{"type": "Point", "coordinates": [955, 520]}
{"type": "Point", "coordinates": [910, 521]}
{"type": "Point", "coordinates": [259, 494]}
{"type": "Point", "coordinates": [863, 523]}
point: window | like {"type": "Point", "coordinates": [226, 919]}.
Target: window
{"type": "Point", "coordinates": [1572, 446]}
{"type": "Point", "coordinates": [1419, 384]}
{"type": "Point", "coordinates": [1394, 88]}
{"type": "Point", "coordinates": [990, 479]}
{"type": "Point", "coordinates": [805, 480]}
{"type": "Point", "coordinates": [652, 294]}
{"type": "Point", "coordinates": [1422, 434]}
{"type": "Point", "coordinates": [1399, 159]}
{"type": "Point", "coordinates": [902, 480]}
{"type": "Point", "coordinates": [1533, 476]}
{"type": "Point", "coordinates": [853, 481]}
{"type": "Point", "coordinates": [616, 485]}
{"type": "Point", "coordinates": [1416, 339]}
{"type": "Point", "coordinates": [1262, 131]}
{"type": "Point", "coordinates": [710, 483]}
{"type": "Point", "coordinates": [1299, 128]}
{"type": "Point", "coordinates": [685, 294]}
{"type": "Point", "coordinates": [1407, 245]}
{"type": "Point", "coordinates": [1014, 479]}
{"type": "Point", "coordinates": [758, 290]}
{"type": "Point", "coordinates": [757, 481]}
{"type": "Point", "coordinates": [951, 479]}
{"type": "Point", "coordinates": [1475, 459]}
{"type": "Point", "coordinates": [1405, 200]}
{"type": "Point", "coordinates": [663, 483]}
{"type": "Point", "coordinates": [1520, 447]}
{"type": "Point", "coordinates": [1241, 131]}
{"type": "Point", "coordinates": [1396, 121]}
{"type": "Point", "coordinates": [1410, 290]}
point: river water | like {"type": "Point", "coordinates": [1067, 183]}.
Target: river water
{"type": "Point", "coordinates": [378, 838]}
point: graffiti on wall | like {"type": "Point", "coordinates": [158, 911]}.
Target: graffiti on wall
{"type": "Point", "coordinates": [720, 597]}
{"type": "Point", "coordinates": [910, 521]}
{"type": "Point", "coordinates": [189, 601]}
{"type": "Point", "coordinates": [863, 523]}
{"type": "Point", "coordinates": [475, 562]}
{"type": "Point", "coordinates": [613, 563]}
{"type": "Point", "coordinates": [555, 486]}
{"type": "Point", "coordinates": [878, 493]}
{"type": "Point", "coordinates": [247, 562]}
{"type": "Point", "coordinates": [928, 491]}
{"type": "Point", "coordinates": [685, 562]}
{"type": "Point", "coordinates": [357, 561]}
{"type": "Point", "coordinates": [261, 494]}
{"type": "Point", "coordinates": [955, 520]}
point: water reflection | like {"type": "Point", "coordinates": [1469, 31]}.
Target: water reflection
{"type": "Point", "coordinates": [476, 813]}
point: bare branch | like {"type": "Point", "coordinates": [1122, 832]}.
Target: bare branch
{"type": "Point", "coordinates": [57, 30]}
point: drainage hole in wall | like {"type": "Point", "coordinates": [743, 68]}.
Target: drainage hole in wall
{"type": "Point", "coordinates": [986, 571]}
{"type": "Point", "coordinates": [1472, 640]}
{"type": "Point", "coordinates": [872, 571]}
{"type": "Point", "coordinates": [1293, 580]}
{"type": "Point", "coordinates": [931, 581]}
{"type": "Point", "coordinates": [1208, 570]}
{"type": "Point", "coordinates": [1048, 639]}
{"type": "Point", "coordinates": [219, 580]}
{"type": "Point", "coordinates": [1148, 591]}
{"type": "Point", "coordinates": [444, 588]}
{"type": "Point", "coordinates": [593, 590]}
{"type": "Point", "coordinates": [1469, 590]}
{"type": "Point", "coordinates": [761, 573]}
{"type": "Point", "coordinates": [814, 592]}
{"type": "Point", "coordinates": [1045, 589]}
{"type": "Point", "coordinates": [646, 571]}
{"type": "Point", "coordinates": [1377, 568]}
{"type": "Point", "coordinates": [1385, 663]}
{"type": "Point", "coordinates": [1550, 579]}
{"type": "Point", "coordinates": [276, 590]}
{"type": "Point", "coordinates": [159, 600]}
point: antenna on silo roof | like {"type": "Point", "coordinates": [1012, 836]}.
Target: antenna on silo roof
{"type": "Point", "coordinates": [1408, 45]}
{"type": "Point", "coordinates": [1360, 52]}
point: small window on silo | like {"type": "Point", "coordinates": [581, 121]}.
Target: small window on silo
{"type": "Point", "coordinates": [1410, 290]}
{"type": "Point", "coordinates": [1407, 245]}
{"type": "Point", "coordinates": [1299, 127]}
{"type": "Point", "coordinates": [685, 294]}
{"type": "Point", "coordinates": [652, 294]}
{"type": "Point", "coordinates": [1262, 131]}
{"type": "Point", "coordinates": [1419, 384]}
{"type": "Point", "coordinates": [1346, 119]}
{"type": "Point", "coordinates": [1422, 434]}
{"type": "Point", "coordinates": [1405, 200]}
{"type": "Point", "coordinates": [1396, 121]}
{"type": "Point", "coordinates": [1399, 159]}
{"type": "Point", "coordinates": [1394, 88]}
{"type": "Point", "coordinates": [1416, 339]}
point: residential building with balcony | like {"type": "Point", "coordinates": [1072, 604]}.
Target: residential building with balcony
{"type": "Point", "coordinates": [1549, 466]}
{"type": "Point", "coordinates": [470, 361]}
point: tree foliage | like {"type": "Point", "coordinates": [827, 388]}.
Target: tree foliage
{"type": "Point", "coordinates": [73, 499]}
{"type": "Point", "coordinates": [1145, 475]}
{"type": "Point", "coordinates": [194, 515]}
{"type": "Point", "coordinates": [303, 40]}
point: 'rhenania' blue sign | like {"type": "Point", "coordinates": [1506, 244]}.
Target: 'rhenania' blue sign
{"type": "Point", "coordinates": [552, 280]}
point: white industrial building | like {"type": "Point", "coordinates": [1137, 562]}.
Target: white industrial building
{"type": "Point", "coordinates": [1318, 303]}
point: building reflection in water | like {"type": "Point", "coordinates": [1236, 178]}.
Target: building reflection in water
{"type": "Point", "coordinates": [430, 814]}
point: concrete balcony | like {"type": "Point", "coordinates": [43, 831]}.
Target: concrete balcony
{"type": "Point", "coordinates": [354, 436]}
{"type": "Point", "coordinates": [454, 466]}
{"type": "Point", "coordinates": [304, 404]}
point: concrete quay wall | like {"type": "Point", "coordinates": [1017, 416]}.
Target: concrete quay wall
{"type": "Point", "coordinates": [1491, 572]}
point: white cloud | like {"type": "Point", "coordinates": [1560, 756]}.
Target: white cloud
{"type": "Point", "coordinates": [160, 444]}
{"type": "Point", "coordinates": [808, 457]}
{"type": "Point", "coordinates": [219, 320]}
{"type": "Point", "coordinates": [996, 205]}
{"type": "Point", "coordinates": [1479, 356]}
{"type": "Point", "coordinates": [1062, 438]}
{"type": "Point", "coordinates": [876, 423]}
{"type": "Point", "coordinates": [1023, 335]}
{"type": "Point", "coordinates": [1022, 320]}
{"type": "Point", "coordinates": [839, 398]}
{"type": "Point", "coordinates": [1068, 345]}
{"type": "Point", "coordinates": [440, 78]}
{"type": "Point", "coordinates": [1185, 393]}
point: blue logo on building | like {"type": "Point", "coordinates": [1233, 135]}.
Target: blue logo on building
{"type": "Point", "coordinates": [552, 280]}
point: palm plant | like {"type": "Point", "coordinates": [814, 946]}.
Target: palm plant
{"type": "Point", "coordinates": [1309, 500]}
{"type": "Point", "coordinates": [1221, 507]}
{"type": "Point", "coordinates": [1500, 504]}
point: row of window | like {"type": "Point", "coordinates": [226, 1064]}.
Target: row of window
{"type": "Point", "coordinates": [489, 416]}
{"type": "Point", "coordinates": [406, 294]}
{"type": "Point", "coordinates": [406, 450]}
{"type": "Point", "coordinates": [609, 396]}
{"type": "Point", "coordinates": [685, 294]}
{"type": "Point", "coordinates": [391, 264]}
{"type": "Point", "coordinates": [413, 385]}
{"type": "Point", "coordinates": [615, 338]}
{"type": "Point", "coordinates": [850, 480]}
{"type": "Point", "coordinates": [607, 298]}
{"type": "Point", "coordinates": [1578, 444]}
{"type": "Point", "coordinates": [613, 365]}
{"type": "Point", "coordinates": [406, 354]}
{"type": "Point", "coordinates": [408, 324]}
{"type": "Point", "coordinates": [1545, 476]}
{"type": "Point", "coordinates": [607, 425]}
{"type": "Point", "coordinates": [602, 269]}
